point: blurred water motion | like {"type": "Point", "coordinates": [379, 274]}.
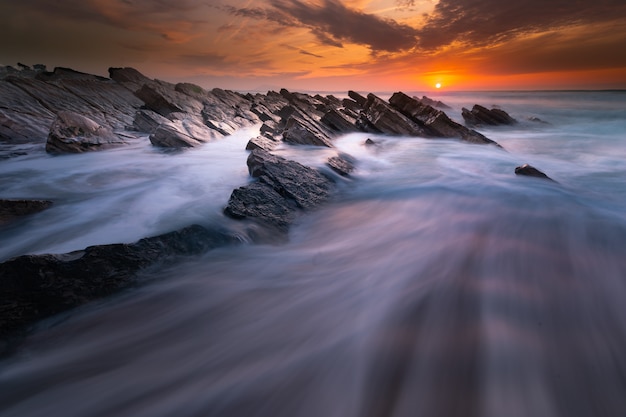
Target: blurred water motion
{"type": "Point", "coordinates": [438, 285]}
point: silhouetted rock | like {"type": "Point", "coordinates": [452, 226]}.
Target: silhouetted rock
{"type": "Point", "coordinates": [435, 123]}
{"type": "Point", "coordinates": [13, 209]}
{"type": "Point", "coordinates": [480, 115]}
{"type": "Point", "coordinates": [36, 286]}
{"type": "Point", "coordinates": [378, 116]}
{"type": "Point", "coordinates": [359, 99]}
{"type": "Point", "coordinates": [75, 133]}
{"type": "Point", "coordinates": [433, 103]}
{"type": "Point", "coordinates": [530, 171]}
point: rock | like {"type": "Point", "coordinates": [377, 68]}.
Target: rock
{"type": "Point", "coordinates": [341, 164]}
{"type": "Point", "coordinates": [282, 189]}
{"type": "Point", "coordinates": [358, 99]}
{"type": "Point", "coordinates": [155, 99]}
{"type": "Point", "coordinates": [23, 119]}
{"type": "Point", "coordinates": [433, 103]}
{"type": "Point", "coordinates": [302, 129]}
{"type": "Point", "coordinates": [169, 136]}
{"type": "Point", "coordinates": [435, 123]}
{"type": "Point", "coordinates": [130, 78]}
{"type": "Point", "coordinates": [370, 142]}
{"type": "Point", "coordinates": [379, 117]}
{"type": "Point", "coordinates": [480, 115]}
{"type": "Point", "coordinates": [13, 209]}
{"type": "Point", "coordinates": [37, 286]}
{"type": "Point", "coordinates": [530, 171]}
{"type": "Point", "coordinates": [261, 142]}
{"type": "Point", "coordinates": [338, 121]}
{"type": "Point", "coordinates": [75, 133]}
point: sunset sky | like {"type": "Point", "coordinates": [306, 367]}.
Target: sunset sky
{"type": "Point", "coordinates": [373, 45]}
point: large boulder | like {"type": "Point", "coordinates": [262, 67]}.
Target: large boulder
{"type": "Point", "coordinates": [74, 133]}
{"type": "Point", "coordinates": [37, 286]}
{"type": "Point", "coordinates": [480, 115]}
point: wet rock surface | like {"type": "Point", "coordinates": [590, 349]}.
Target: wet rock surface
{"type": "Point", "coordinates": [481, 116]}
{"type": "Point", "coordinates": [531, 171]}
{"type": "Point", "coordinates": [74, 133]}
{"type": "Point", "coordinates": [37, 286]}
{"type": "Point", "coordinates": [11, 210]}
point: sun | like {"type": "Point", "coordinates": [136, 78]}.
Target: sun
{"type": "Point", "coordinates": [438, 85]}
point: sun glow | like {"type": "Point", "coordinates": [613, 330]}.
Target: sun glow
{"type": "Point", "coordinates": [438, 85]}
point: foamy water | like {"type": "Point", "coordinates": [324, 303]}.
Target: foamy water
{"type": "Point", "coordinates": [437, 284]}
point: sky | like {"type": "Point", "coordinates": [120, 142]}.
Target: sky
{"type": "Point", "coordinates": [329, 45]}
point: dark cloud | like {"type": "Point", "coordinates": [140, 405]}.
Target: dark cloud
{"type": "Point", "coordinates": [333, 23]}
{"type": "Point", "coordinates": [303, 52]}
{"type": "Point", "coordinates": [483, 22]}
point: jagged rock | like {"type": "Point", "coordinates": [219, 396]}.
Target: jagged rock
{"type": "Point", "coordinates": [480, 115]}
{"type": "Point", "coordinates": [351, 108]}
{"type": "Point", "coordinates": [435, 123]}
{"type": "Point", "coordinates": [341, 164]}
{"type": "Point", "coordinates": [156, 101]}
{"type": "Point", "coordinates": [379, 117]}
{"type": "Point", "coordinates": [530, 171]}
{"type": "Point", "coordinates": [75, 133]}
{"type": "Point", "coordinates": [282, 189]}
{"type": "Point", "coordinates": [434, 103]}
{"type": "Point", "coordinates": [130, 78]}
{"type": "Point", "coordinates": [302, 129]}
{"type": "Point", "coordinates": [358, 99]}
{"type": "Point", "coordinates": [13, 209]}
{"type": "Point", "coordinates": [36, 286]}
{"type": "Point", "coordinates": [148, 121]}
{"type": "Point", "coordinates": [338, 121]}
{"type": "Point", "coordinates": [261, 142]}
{"type": "Point", "coordinates": [269, 129]}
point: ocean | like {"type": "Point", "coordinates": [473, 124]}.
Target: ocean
{"type": "Point", "coordinates": [436, 283]}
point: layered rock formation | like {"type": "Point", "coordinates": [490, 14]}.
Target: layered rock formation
{"type": "Point", "coordinates": [76, 112]}
{"type": "Point", "coordinates": [481, 116]}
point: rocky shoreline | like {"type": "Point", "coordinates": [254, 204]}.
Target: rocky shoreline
{"type": "Point", "coordinates": [71, 112]}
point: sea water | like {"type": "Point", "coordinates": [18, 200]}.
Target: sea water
{"type": "Point", "coordinates": [436, 283]}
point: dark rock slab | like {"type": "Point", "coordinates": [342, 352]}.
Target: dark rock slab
{"type": "Point", "coordinates": [338, 121]}
{"type": "Point", "coordinates": [480, 115]}
{"type": "Point", "coordinates": [530, 171]}
{"type": "Point", "coordinates": [380, 117]}
{"type": "Point", "coordinates": [435, 122]}
{"type": "Point", "coordinates": [13, 209]}
{"type": "Point", "coordinates": [300, 128]}
{"type": "Point", "coordinates": [434, 103]}
{"type": "Point", "coordinates": [37, 286]}
{"type": "Point", "coordinates": [358, 98]}
{"type": "Point", "coordinates": [74, 133]}
{"type": "Point", "coordinates": [341, 164]}
{"type": "Point", "coordinates": [283, 188]}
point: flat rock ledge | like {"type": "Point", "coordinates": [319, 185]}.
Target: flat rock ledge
{"type": "Point", "coordinates": [11, 210]}
{"type": "Point", "coordinates": [33, 287]}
